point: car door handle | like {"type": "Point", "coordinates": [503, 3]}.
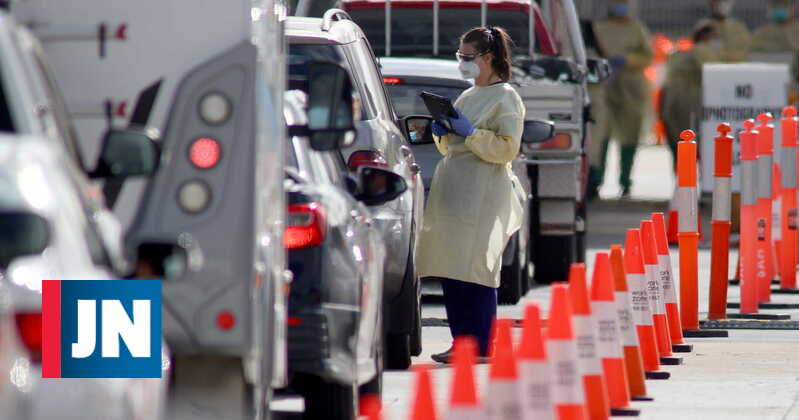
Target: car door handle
{"type": "Point", "coordinates": [406, 151]}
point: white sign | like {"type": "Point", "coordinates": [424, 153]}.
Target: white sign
{"type": "Point", "coordinates": [733, 93]}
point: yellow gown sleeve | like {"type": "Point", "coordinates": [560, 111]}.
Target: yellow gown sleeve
{"type": "Point", "coordinates": [502, 146]}
{"type": "Point", "coordinates": [737, 41]}
{"type": "Point", "coordinates": [442, 144]}
{"type": "Point", "coordinates": [640, 58]}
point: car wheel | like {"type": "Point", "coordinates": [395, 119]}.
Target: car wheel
{"type": "Point", "coordinates": [416, 333]}
{"type": "Point", "coordinates": [327, 400]}
{"type": "Point", "coordinates": [510, 286]}
{"type": "Point", "coordinates": [553, 258]}
{"type": "Point", "coordinates": [398, 351]}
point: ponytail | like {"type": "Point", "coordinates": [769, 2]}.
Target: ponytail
{"type": "Point", "coordinates": [494, 40]}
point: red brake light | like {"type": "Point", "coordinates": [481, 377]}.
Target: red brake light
{"type": "Point", "coordinates": [559, 141]}
{"type": "Point", "coordinates": [30, 332]}
{"type": "Point", "coordinates": [366, 158]}
{"type": "Point", "coordinates": [205, 153]}
{"type": "Point", "coordinates": [392, 80]}
{"type": "Point", "coordinates": [306, 226]}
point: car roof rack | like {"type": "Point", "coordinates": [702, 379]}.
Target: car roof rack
{"type": "Point", "coordinates": [331, 15]}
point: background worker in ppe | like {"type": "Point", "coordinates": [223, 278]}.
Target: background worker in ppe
{"type": "Point", "coordinates": [735, 37]}
{"type": "Point", "coordinates": [682, 90]}
{"type": "Point", "coordinates": [626, 44]}
{"type": "Point", "coordinates": [782, 34]}
{"type": "Point", "coordinates": [474, 203]}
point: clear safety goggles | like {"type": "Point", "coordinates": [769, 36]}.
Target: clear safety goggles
{"type": "Point", "coordinates": [468, 57]}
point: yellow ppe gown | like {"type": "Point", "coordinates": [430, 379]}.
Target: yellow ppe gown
{"type": "Point", "coordinates": [735, 38]}
{"type": "Point", "coordinates": [682, 90]}
{"type": "Point", "coordinates": [778, 37]}
{"type": "Point", "coordinates": [627, 92]}
{"type": "Point", "coordinates": [474, 204]}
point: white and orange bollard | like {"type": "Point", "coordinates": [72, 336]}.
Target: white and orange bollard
{"type": "Point", "coordinates": [721, 225]}
{"type": "Point", "coordinates": [764, 248]}
{"type": "Point", "coordinates": [688, 235]}
{"type": "Point", "coordinates": [790, 147]}
{"type": "Point", "coordinates": [749, 224]}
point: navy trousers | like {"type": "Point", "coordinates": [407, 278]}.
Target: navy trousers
{"type": "Point", "coordinates": [471, 309]}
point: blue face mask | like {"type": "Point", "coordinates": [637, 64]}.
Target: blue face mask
{"type": "Point", "coordinates": [619, 9]}
{"type": "Point", "coordinates": [780, 14]}
{"type": "Point", "coordinates": [414, 136]}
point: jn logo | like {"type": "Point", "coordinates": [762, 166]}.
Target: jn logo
{"type": "Point", "coordinates": [101, 329]}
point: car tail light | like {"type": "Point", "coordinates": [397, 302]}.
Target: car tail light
{"type": "Point", "coordinates": [306, 226]}
{"type": "Point", "coordinates": [204, 153]}
{"type": "Point", "coordinates": [194, 196]}
{"type": "Point", "coordinates": [559, 141]}
{"type": "Point", "coordinates": [366, 158]}
{"type": "Point", "coordinates": [392, 80]}
{"type": "Point", "coordinates": [30, 332]}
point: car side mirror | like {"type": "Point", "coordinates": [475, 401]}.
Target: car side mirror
{"type": "Point", "coordinates": [599, 70]}
{"type": "Point", "coordinates": [418, 128]}
{"type": "Point", "coordinates": [377, 186]}
{"type": "Point", "coordinates": [164, 260]}
{"type": "Point", "coordinates": [127, 153]}
{"type": "Point", "coordinates": [330, 107]}
{"type": "Point", "coordinates": [537, 131]}
{"type": "Point", "coordinates": [24, 234]}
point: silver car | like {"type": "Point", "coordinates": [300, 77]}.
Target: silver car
{"type": "Point", "coordinates": [381, 143]}
{"type": "Point", "coordinates": [52, 230]}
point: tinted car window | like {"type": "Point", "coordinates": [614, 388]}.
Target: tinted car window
{"type": "Point", "coordinates": [301, 54]}
{"type": "Point", "coordinates": [406, 100]}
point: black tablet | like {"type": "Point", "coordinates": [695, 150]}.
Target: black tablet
{"type": "Point", "coordinates": [440, 108]}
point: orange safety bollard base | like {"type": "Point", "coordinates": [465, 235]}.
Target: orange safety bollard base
{"type": "Point", "coordinates": [682, 348]}
{"type": "Point", "coordinates": [658, 375]}
{"type": "Point", "coordinates": [570, 412]}
{"type": "Point", "coordinates": [670, 361]}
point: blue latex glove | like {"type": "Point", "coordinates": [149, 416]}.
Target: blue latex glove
{"type": "Point", "coordinates": [617, 61]}
{"type": "Point", "coordinates": [439, 129]}
{"type": "Point", "coordinates": [461, 125]}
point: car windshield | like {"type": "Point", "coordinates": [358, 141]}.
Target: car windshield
{"type": "Point", "coordinates": [406, 100]}
{"type": "Point", "coordinates": [412, 29]}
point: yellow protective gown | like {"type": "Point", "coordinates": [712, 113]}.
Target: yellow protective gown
{"type": "Point", "coordinates": [682, 90]}
{"type": "Point", "coordinates": [474, 203]}
{"type": "Point", "coordinates": [627, 92]}
{"type": "Point", "coordinates": [778, 37]}
{"type": "Point", "coordinates": [735, 38]}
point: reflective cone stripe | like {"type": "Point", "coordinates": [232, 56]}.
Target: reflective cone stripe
{"type": "Point", "coordinates": [749, 226]}
{"type": "Point", "coordinates": [534, 368]}
{"type": "Point", "coordinates": [464, 404]}
{"type": "Point", "coordinates": [504, 402]}
{"type": "Point", "coordinates": [568, 395]}
{"type": "Point", "coordinates": [652, 272]}
{"type": "Point", "coordinates": [596, 394]}
{"type": "Point", "coordinates": [603, 305]}
{"type": "Point", "coordinates": [776, 220]}
{"type": "Point", "coordinates": [764, 247]}
{"type": "Point", "coordinates": [688, 236]}
{"type": "Point", "coordinates": [642, 315]}
{"type": "Point", "coordinates": [788, 215]}
{"type": "Point", "coordinates": [721, 225]}
{"type": "Point", "coordinates": [629, 336]}
{"type": "Point", "coordinates": [666, 280]}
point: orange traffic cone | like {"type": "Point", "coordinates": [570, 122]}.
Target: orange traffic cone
{"type": "Point", "coordinates": [536, 372]}
{"type": "Point", "coordinates": [503, 385]}
{"type": "Point", "coordinates": [642, 314]}
{"type": "Point", "coordinates": [463, 402]}
{"type": "Point", "coordinates": [423, 407]}
{"type": "Point", "coordinates": [629, 334]}
{"type": "Point", "coordinates": [678, 343]}
{"type": "Point", "coordinates": [568, 395]}
{"type": "Point", "coordinates": [596, 392]}
{"type": "Point", "coordinates": [656, 303]}
{"type": "Point", "coordinates": [370, 407]}
{"type": "Point", "coordinates": [603, 304]}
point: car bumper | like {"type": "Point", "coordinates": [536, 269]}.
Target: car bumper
{"type": "Point", "coordinates": [321, 343]}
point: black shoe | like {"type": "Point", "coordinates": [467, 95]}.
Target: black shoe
{"type": "Point", "coordinates": [445, 357]}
